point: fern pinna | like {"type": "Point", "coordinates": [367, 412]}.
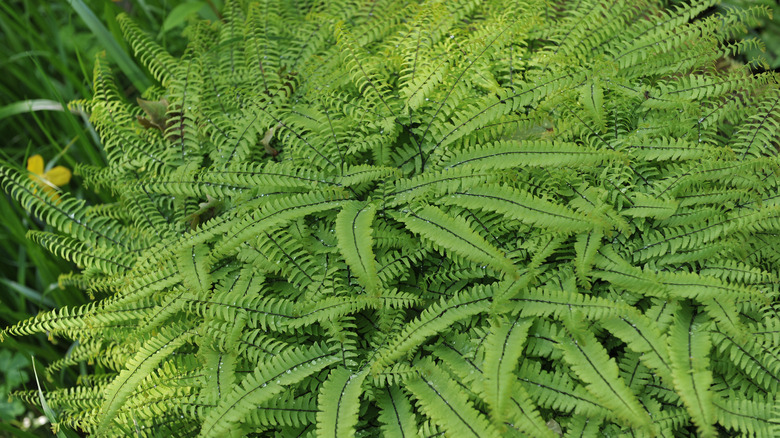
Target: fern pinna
{"type": "Point", "coordinates": [399, 218]}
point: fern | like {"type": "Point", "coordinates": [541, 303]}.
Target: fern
{"type": "Point", "coordinates": [400, 218]}
{"type": "Point", "coordinates": [442, 400]}
{"type": "Point", "coordinates": [339, 403]}
{"type": "Point", "coordinates": [353, 230]}
{"type": "Point", "coordinates": [688, 346]}
{"type": "Point", "coordinates": [590, 362]}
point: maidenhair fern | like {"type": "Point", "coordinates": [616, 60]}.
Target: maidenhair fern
{"type": "Point", "coordinates": [398, 218]}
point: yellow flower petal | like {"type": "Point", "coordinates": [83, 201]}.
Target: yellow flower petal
{"type": "Point", "coordinates": [35, 164]}
{"type": "Point", "coordinates": [59, 176]}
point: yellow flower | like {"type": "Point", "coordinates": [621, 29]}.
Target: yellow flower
{"type": "Point", "coordinates": [50, 180]}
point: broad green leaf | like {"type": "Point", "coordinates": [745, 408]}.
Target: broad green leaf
{"type": "Point", "coordinates": [180, 14]}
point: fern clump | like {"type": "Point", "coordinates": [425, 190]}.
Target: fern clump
{"type": "Point", "coordinates": [401, 218]}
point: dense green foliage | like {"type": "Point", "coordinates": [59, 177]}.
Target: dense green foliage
{"type": "Point", "coordinates": [767, 33]}
{"type": "Point", "coordinates": [397, 218]}
{"type": "Point", "coordinates": [47, 54]}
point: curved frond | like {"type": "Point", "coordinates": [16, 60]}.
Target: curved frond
{"type": "Point", "coordinates": [447, 405]}
{"type": "Point", "coordinates": [353, 230]}
{"type": "Point", "coordinates": [151, 353]}
{"type": "Point", "coordinates": [268, 380]}
{"type": "Point", "coordinates": [396, 414]}
{"type": "Point", "coordinates": [590, 361]}
{"type": "Point", "coordinates": [339, 402]}
{"type": "Point", "coordinates": [454, 234]}
{"type": "Point", "coordinates": [689, 346]}
{"type": "Point", "coordinates": [160, 63]}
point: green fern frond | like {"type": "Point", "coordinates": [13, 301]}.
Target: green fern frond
{"type": "Point", "coordinates": [276, 213]}
{"type": "Point", "coordinates": [504, 346]}
{"type": "Point", "coordinates": [446, 405]}
{"type": "Point", "coordinates": [65, 214]}
{"type": "Point", "coordinates": [557, 391]}
{"type": "Point", "coordinates": [507, 154]}
{"type": "Point", "coordinates": [453, 234]}
{"type": "Point", "coordinates": [340, 401]}
{"type": "Point", "coordinates": [431, 321]}
{"type": "Point", "coordinates": [268, 379]}
{"type": "Point", "coordinates": [81, 253]}
{"type": "Point", "coordinates": [520, 205]}
{"type": "Point", "coordinates": [591, 363]}
{"type": "Point", "coordinates": [396, 415]}
{"type": "Point", "coordinates": [291, 413]}
{"type": "Point", "coordinates": [353, 230]}
{"type": "Point", "coordinates": [643, 337]}
{"type": "Point", "coordinates": [761, 364]}
{"type": "Point", "coordinates": [753, 418]}
{"type": "Point", "coordinates": [689, 344]}
{"type": "Point", "coordinates": [157, 60]}
{"type": "Point", "coordinates": [150, 355]}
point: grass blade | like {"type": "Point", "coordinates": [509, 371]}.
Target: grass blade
{"type": "Point", "coordinates": [114, 50]}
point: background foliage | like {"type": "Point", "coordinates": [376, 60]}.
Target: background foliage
{"type": "Point", "coordinates": [768, 32]}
